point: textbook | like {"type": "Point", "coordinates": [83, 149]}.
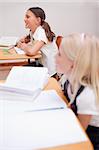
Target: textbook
{"type": "Point", "coordinates": [25, 83]}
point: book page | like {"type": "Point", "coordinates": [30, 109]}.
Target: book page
{"type": "Point", "coordinates": [27, 78]}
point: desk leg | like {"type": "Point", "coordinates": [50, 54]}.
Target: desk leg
{"type": "Point", "coordinates": [34, 63]}
{"type": "Point", "coordinates": [29, 61]}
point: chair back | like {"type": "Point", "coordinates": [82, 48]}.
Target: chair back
{"type": "Point", "coordinates": [58, 40]}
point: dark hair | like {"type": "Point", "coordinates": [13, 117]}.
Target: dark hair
{"type": "Point", "coordinates": [39, 12]}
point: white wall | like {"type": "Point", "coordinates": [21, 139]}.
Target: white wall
{"type": "Point", "coordinates": [64, 17]}
{"type": "Point", "coordinates": [97, 23]}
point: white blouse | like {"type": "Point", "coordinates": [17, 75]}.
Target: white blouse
{"type": "Point", "coordinates": [86, 104]}
{"type": "Point", "coordinates": [49, 50]}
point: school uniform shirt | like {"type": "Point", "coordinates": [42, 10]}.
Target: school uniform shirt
{"type": "Point", "coordinates": [86, 104]}
{"type": "Point", "coordinates": [49, 50]}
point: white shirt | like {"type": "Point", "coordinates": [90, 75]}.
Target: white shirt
{"type": "Point", "coordinates": [86, 104]}
{"type": "Point", "coordinates": [49, 50]}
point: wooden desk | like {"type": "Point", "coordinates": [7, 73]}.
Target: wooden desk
{"type": "Point", "coordinates": [53, 84]}
{"type": "Point", "coordinates": [9, 58]}
{"type": "Point", "coordinates": [12, 55]}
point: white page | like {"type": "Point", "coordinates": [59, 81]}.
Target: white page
{"type": "Point", "coordinates": [28, 131]}
{"type": "Point", "coordinates": [25, 81]}
{"type": "Point", "coordinates": [27, 77]}
{"type": "Point", "coordinates": [45, 100]}
{"type": "Point", "coordinates": [19, 51]}
{"type": "Point", "coordinates": [8, 40]}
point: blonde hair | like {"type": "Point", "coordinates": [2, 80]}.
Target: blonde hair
{"type": "Point", "coordinates": [83, 50]}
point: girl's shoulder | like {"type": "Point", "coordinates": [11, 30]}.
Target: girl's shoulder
{"type": "Point", "coordinates": [40, 35]}
{"type": "Point", "coordinates": [86, 102]}
{"type": "Point", "coordinates": [39, 29]}
{"type": "Point", "coordinates": [87, 95]}
{"type": "Point", "coordinates": [88, 91]}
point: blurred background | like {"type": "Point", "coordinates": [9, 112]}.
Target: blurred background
{"type": "Point", "coordinates": [64, 16]}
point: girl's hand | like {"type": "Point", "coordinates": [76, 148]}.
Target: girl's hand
{"type": "Point", "coordinates": [21, 45]}
{"type": "Point", "coordinates": [22, 39]}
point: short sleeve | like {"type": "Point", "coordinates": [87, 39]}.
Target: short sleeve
{"type": "Point", "coordinates": [86, 103]}
{"type": "Point", "coordinates": [39, 35]}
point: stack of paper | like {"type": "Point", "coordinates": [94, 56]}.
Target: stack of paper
{"type": "Point", "coordinates": [46, 100]}
{"type": "Point", "coordinates": [8, 40]}
{"type": "Point", "coordinates": [24, 83]}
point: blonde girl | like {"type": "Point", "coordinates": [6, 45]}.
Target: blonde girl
{"type": "Point", "coordinates": [78, 59]}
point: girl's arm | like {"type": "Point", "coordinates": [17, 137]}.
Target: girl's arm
{"type": "Point", "coordinates": [31, 49]}
{"type": "Point", "coordinates": [84, 120]}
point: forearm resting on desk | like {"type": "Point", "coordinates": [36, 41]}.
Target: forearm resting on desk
{"type": "Point", "coordinates": [29, 48]}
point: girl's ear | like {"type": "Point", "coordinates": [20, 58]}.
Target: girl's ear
{"type": "Point", "coordinates": [39, 20]}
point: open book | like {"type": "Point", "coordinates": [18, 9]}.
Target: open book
{"type": "Point", "coordinates": [8, 41]}
{"type": "Point", "coordinates": [24, 83]}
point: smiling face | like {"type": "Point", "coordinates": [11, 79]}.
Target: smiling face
{"type": "Point", "coordinates": [63, 63]}
{"type": "Point", "coordinates": [31, 21]}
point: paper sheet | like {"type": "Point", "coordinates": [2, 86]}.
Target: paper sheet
{"type": "Point", "coordinates": [35, 130]}
{"type": "Point", "coordinates": [19, 51]}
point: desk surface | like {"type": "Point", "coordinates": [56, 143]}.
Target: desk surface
{"type": "Point", "coordinates": [12, 55]}
{"type": "Point", "coordinates": [53, 84]}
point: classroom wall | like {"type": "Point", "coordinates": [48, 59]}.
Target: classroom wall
{"type": "Point", "coordinates": [97, 24]}
{"type": "Point", "coordinates": [64, 17]}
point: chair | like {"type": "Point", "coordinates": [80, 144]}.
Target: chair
{"type": "Point", "coordinates": [58, 40]}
